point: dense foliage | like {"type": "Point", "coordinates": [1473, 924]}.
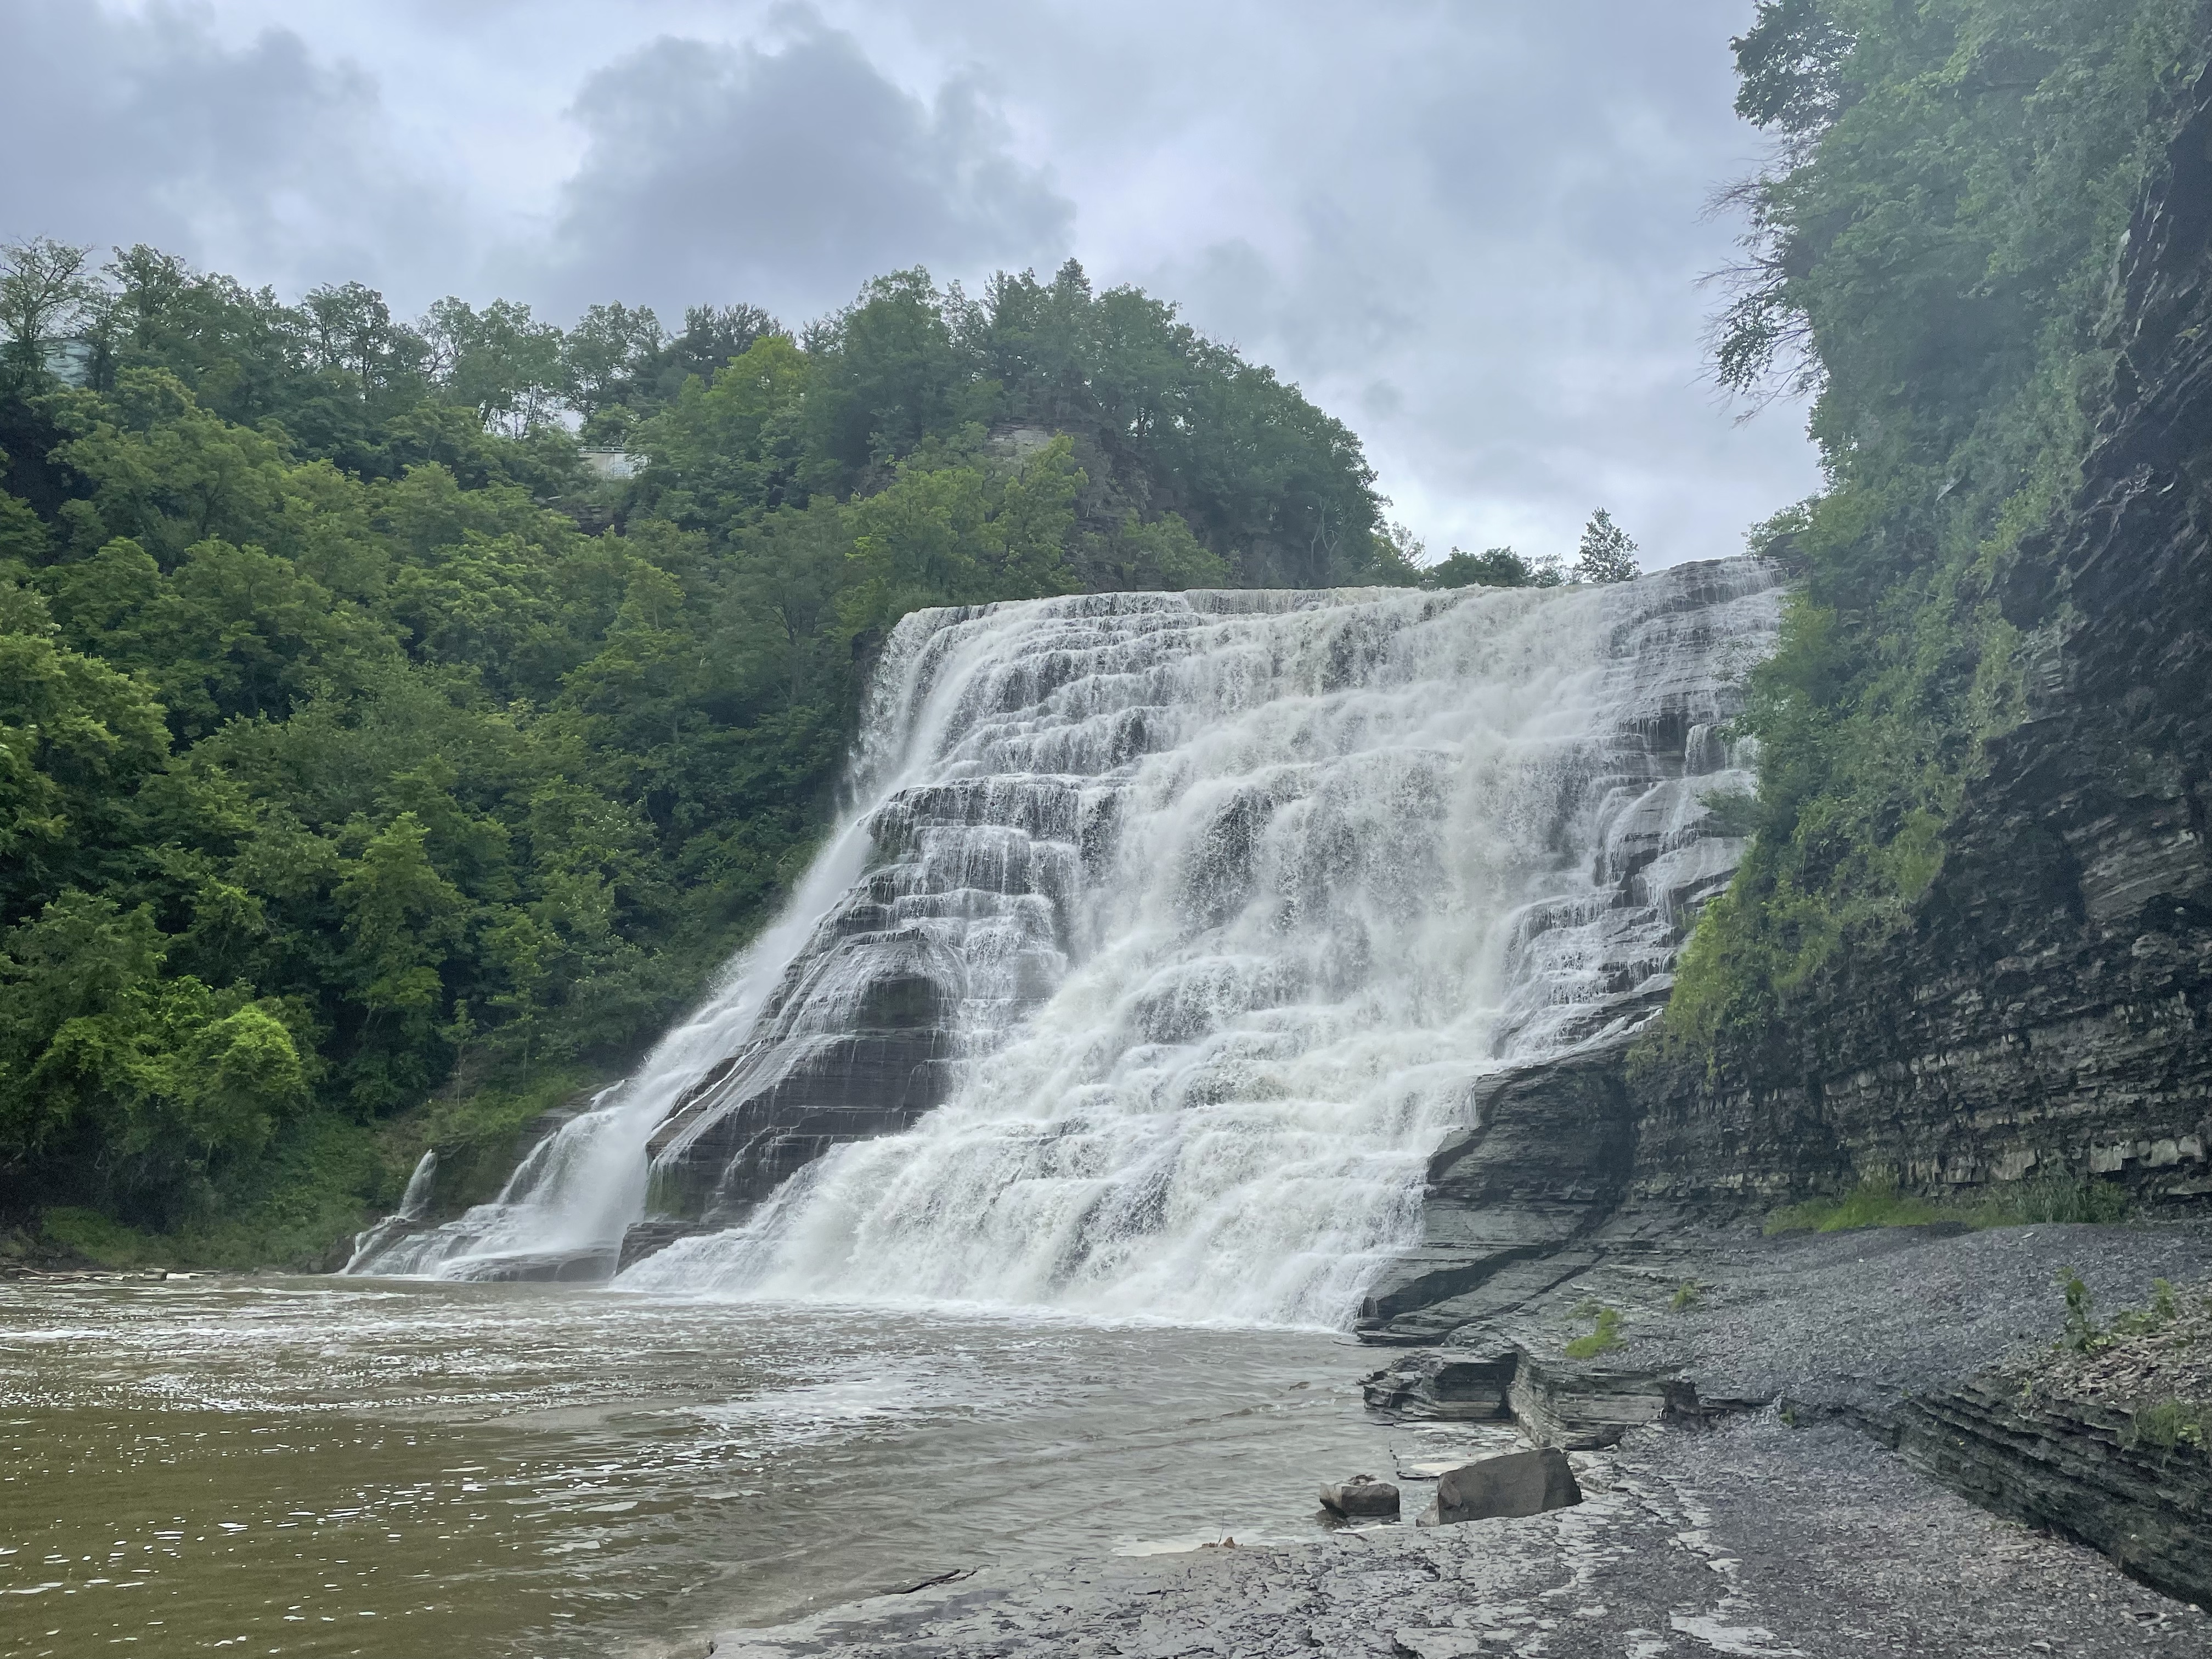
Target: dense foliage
{"type": "Point", "coordinates": [1931, 252]}
{"type": "Point", "coordinates": [363, 746]}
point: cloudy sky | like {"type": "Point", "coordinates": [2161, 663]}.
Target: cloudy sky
{"type": "Point", "coordinates": [1471, 230]}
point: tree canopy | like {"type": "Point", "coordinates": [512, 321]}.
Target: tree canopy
{"type": "Point", "coordinates": [365, 753]}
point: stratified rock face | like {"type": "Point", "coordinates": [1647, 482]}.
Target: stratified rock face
{"type": "Point", "coordinates": [2051, 1009]}
{"type": "Point", "coordinates": [1445, 1385]}
{"type": "Point", "coordinates": [2072, 1468]}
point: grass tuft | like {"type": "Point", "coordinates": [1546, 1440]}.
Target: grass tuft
{"type": "Point", "coordinates": [1607, 1335]}
{"type": "Point", "coordinates": [1879, 1202]}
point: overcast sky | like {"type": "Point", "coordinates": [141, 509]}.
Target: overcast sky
{"type": "Point", "coordinates": [1472, 231]}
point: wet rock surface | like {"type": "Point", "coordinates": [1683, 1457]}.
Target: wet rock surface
{"type": "Point", "coordinates": [1503, 1488]}
{"type": "Point", "coordinates": [589, 1266]}
{"type": "Point", "coordinates": [1361, 1496]}
{"type": "Point", "coordinates": [1753, 1539]}
{"type": "Point", "coordinates": [1929, 1340]}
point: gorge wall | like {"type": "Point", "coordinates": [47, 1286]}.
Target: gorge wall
{"type": "Point", "coordinates": [2049, 1007]}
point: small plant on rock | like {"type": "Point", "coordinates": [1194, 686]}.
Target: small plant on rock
{"type": "Point", "coordinates": [1688, 1295]}
{"type": "Point", "coordinates": [2171, 1425]}
{"type": "Point", "coordinates": [2083, 1334]}
{"type": "Point", "coordinates": [1605, 1335]}
{"type": "Point", "coordinates": [2149, 1321]}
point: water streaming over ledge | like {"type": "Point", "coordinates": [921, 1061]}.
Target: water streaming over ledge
{"type": "Point", "coordinates": [1160, 945]}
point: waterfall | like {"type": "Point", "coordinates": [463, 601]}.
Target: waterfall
{"type": "Point", "coordinates": [1161, 941]}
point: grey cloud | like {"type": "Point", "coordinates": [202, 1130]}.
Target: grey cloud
{"type": "Point", "coordinates": [147, 127]}
{"type": "Point", "coordinates": [1472, 231]}
{"type": "Point", "coordinates": [787, 177]}
{"type": "Point", "coordinates": [1499, 217]}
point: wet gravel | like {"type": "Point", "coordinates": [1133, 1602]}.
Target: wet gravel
{"type": "Point", "coordinates": [1752, 1539]}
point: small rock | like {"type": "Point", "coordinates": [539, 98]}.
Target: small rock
{"type": "Point", "coordinates": [1362, 1495]}
{"type": "Point", "coordinates": [1524, 1483]}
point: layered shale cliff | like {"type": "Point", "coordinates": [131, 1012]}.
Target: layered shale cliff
{"type": "Point", "coordinates": [2049, 1007]}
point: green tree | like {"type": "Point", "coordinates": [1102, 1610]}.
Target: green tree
{"type": "Point", "coordinates": [168, 473]}
{"type": "Point", "coordinates": [605, 360]}
{"type": "Point", "coordinates": [77, 742]}
{"type": "Point", "coordinates": [1606, 553]}
{"type": "Point", "coordinates": [499, 362]}
{"type": "Point", "coordinates": [1494, 567]}
{"type": "Point", "coordinates": [47, 292]}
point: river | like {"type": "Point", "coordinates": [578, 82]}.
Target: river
{"type": "Point", "coordinates": [340, 1467]}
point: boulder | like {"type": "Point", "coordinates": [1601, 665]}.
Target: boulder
{"type": "Point", "coordinates": [1363, 1495]}
{"type": "Point", "coordinates": [1523, 1483]}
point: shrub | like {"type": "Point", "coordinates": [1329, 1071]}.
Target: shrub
{"type": "Point", "coordinates": [2059, 1198]}
{"type": "Point", "coordinates": [2083, 1334]}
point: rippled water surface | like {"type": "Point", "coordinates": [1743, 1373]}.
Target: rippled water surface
{"type": "Point", "coordinates": [344, 1467]}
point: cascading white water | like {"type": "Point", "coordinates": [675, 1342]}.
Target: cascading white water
{"type": "Point", "coordinates": [1230, 897]}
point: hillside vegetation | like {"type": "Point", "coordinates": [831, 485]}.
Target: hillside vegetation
{"type": "Point", "coordinates": [372, 772]}
{"type": "Point", "coordinates": [1930, 256]}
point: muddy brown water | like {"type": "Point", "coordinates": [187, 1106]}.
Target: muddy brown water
{"type": "Point", "coordinates": [328, 1466]}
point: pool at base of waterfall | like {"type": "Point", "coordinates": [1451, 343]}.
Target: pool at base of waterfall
{"type": "Point", "coordinates": [327, 1466]}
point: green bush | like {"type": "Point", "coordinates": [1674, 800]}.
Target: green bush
{"type": "Point", "coordinates": [103, 1240]}
{"type": "Point", "coordinates": [2057, 1198]}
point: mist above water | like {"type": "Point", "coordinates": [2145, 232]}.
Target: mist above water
{"type": "Point", "coordinates": [1218, 903]}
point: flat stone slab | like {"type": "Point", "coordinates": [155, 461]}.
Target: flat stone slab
{"type": "Point", "coordinates": [1748, 1539]}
